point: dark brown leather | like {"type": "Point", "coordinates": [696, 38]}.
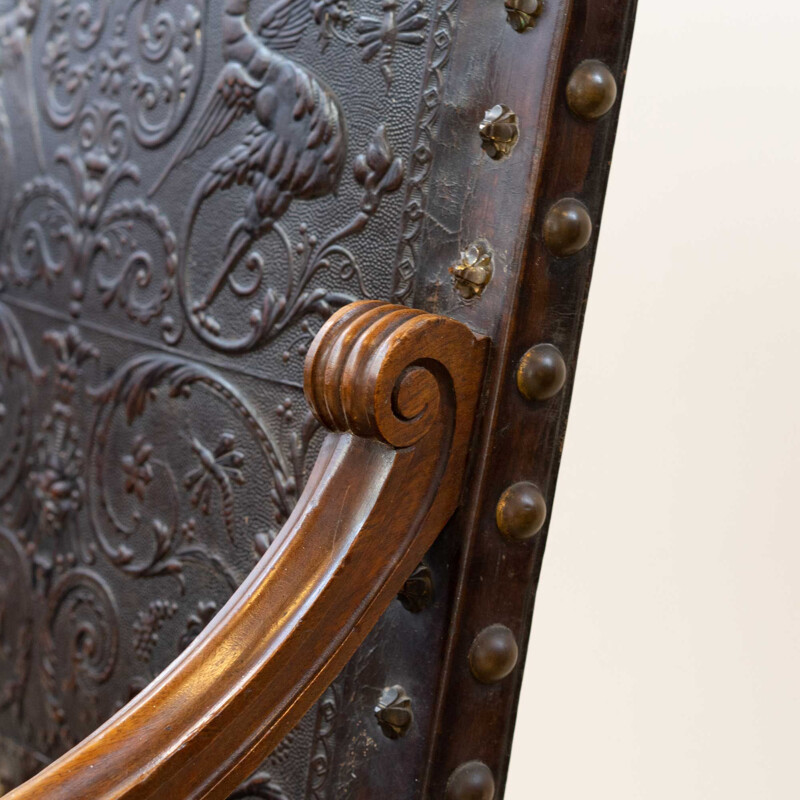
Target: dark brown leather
{"type": "Point", "coordinates": [188, 189]}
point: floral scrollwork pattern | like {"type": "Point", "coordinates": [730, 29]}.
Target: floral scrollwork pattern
{"type": "Point", "coordinates": [54, 231]}
{"type": "Point", "coordinates": [157, 80]}
{"type": "Point", "coordinates": [73, 28]}
{"type": "Point", "coordinates": [153, 489]}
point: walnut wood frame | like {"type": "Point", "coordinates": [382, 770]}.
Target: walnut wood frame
{"type": "Point", "coordinates": [399, 389]}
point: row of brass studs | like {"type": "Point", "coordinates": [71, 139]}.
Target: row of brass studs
{"type": "Point", "coordinates": [541, 373]}
{"type": "Point", "coordinates": [522, 509]}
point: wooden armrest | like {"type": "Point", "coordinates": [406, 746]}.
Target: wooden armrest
{"type": "Point", "coordinates": [398, 389]}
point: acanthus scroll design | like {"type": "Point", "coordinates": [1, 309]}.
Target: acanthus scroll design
{"type": "Point", "coordinates": [294, 151]}
{"type": "Point", "coordinates": [319, 769]}
{"type": "Point", "coordinates": [136, 67]}
{"type": "Point", "coordinates": [55, 468]}
{"type": "Point", "coordinates": [20, 374]}
{"type": "Point", "coordinates": [165, 75]}
{"type": "Point", "coordinates": [72, 617]}
{"type": "Point", "coordinates": [73, 29]}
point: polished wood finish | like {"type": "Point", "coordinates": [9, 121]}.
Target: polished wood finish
{"type": "Point", "coordinates": [399, 391]}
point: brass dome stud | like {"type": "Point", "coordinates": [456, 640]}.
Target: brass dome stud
{"type": "Point", "coordinates": [521, 511]}
{"type": "Point", "coordinates": [591, 90]}
{"type": "Point", "coordinates": [470, 781]}
{"type": "Point", "coordinates": [567, 227]}
{"type": "Point", "coordinates": [493, 654]}
{"type": "Point", "coordinates": [541, 373]}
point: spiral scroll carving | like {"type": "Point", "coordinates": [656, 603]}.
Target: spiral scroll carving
{"type": "Point", "coordinates": [383, 371]}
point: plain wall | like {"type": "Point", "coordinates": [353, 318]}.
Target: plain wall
{"type": "Point", "coordinates": [665, 655]}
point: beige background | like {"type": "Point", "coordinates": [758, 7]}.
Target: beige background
{"type": "Point", "coordinates": [665, 657]}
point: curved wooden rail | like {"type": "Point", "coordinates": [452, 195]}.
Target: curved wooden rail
{"type": "Point", "coordinates": [398, 389]}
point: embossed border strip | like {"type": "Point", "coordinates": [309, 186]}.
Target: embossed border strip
{"type": "Point", "coordinates": [428, 113]}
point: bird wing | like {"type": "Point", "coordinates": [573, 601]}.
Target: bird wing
{"type": "Point", "coordinates": [233, 95]}
{"type": "Point", "coordinates": [283, 23]}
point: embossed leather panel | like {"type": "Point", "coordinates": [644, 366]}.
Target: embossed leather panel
{"type": "Point", "coordinates": [187, 190]}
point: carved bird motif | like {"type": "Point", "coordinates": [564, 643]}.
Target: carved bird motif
{"type": "Point", "coordinates": [295, 148]}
